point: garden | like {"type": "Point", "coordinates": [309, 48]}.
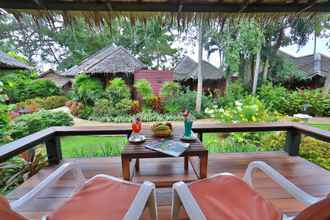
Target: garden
{"type": "Point", "coordinates": [27, 104]}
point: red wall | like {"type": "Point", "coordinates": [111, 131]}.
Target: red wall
{"type": "Point", "coordinates": [155, 77]}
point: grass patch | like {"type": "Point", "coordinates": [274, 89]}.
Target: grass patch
{"type": "Point", "coordinates": [216, 144]}
{"type": "Point", "coordinates": [321, 126]}
{"type": "Point", "coordinates": [92, 146]}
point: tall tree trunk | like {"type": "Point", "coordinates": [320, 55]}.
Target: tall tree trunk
{"type": "Point", "coordinates": [278, 42]}
{"type": "Point", "coordinates": [199, 72]}
{"type": "Point", "coordinates": [246, 72]}
{"type": "Point", "coordinates": [315, 39]}
{"type": "Point", "coordinates": [265, 72]}
{"type": "Point", "coordinates": [256, 73]}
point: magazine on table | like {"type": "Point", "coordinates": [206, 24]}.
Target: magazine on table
{"type": "Point", "coordinates": [169, 147]}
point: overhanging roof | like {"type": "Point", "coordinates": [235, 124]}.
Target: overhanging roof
{"type": "Point", "coordinates": [229, 6]}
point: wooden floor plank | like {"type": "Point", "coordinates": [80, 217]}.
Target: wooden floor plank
{"type": "Point", "coordinates": [308, 176]}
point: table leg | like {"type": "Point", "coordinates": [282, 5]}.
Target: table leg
{"type": "Point", "coordinates": [125, 168]}
{"type": "Point", "coordinates": [186, 163]}
{"type": "Point", "coordinates": [203, 166]}
{"type": "Point", "coordinates": [137, 165]}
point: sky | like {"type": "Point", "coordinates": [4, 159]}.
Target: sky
{"type": "Point", "coordinates": [294, 50]}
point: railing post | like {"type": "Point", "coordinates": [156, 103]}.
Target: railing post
{"type": "Point", "coordinates": [54, 151]}
{"type": "Point", "coordinates": [292, 142]}
{"type": "Point", "coordinates": [200, 136]}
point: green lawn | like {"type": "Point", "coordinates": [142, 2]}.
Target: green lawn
{"type": "Point", "coordinates": [321, 126]}
{"type": "Point", "coordinates": [92, 146]}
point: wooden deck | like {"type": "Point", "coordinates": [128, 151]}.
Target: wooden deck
{"type": "Point", "coordinates": [306, 175]}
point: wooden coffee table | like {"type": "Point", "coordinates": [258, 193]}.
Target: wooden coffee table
{"type": "Point", "coordinates": [134, 152]}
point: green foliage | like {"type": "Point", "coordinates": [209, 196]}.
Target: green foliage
{"type": "Point", "coordinates": [249, 109]}
{"type": "Point", "coordinates": [4, 122]}
{"type": "Point", "coordinates": [144, 89]}
{"type": "Point", "coordinates": [147, 115]}
{"type": "Point", "coordinates": [117, 90]}
{"type": "Point", "coordinates": [30, 123]}
{"type": "Point", "coordinates": [311, 149]}
{"type": "Point", "coordinates": [274, 97]}
{"type": "Point", "coordinates": [47, 103]}
{"type": "Point", "coordinates": [235, 92]}
{"type": "Point", "coordinates": [21, 85]}
{"type": "Point", "coordinates": [186, 101]}
{"type": "Point", "coordinates": [86, 89]}
{"type": "Point", "coordinates": [277, 98]}
{"type": "Point", "coordinates": [3, 96]}
{"type": "Point", "coordinates": [284, 70]}
{"type": "Point", "coordinates": [107, 108]}
{"type": "Point", "coordinates": [170, 89]}
{"type": "Point", "coordinates": [15, 171]}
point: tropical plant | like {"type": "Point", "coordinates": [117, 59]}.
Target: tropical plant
{"type": "Point", "coordinates": [86, 89]}
{"type": "Point", "coordinates": [144, 89]}
{"type": "Point", "coordinates": [186, 101]}
{"type": "Point", "coordinates": [117, 90]}
{"type": "Point", "coordinates": [170, 89]}
{"type": "Point", "coordinates": [16, 170]}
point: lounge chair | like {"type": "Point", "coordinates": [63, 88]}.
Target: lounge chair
{"type": "Point", "coordinates": [99, 198]}
{"type": "Point", "coordinates": [227, 197]}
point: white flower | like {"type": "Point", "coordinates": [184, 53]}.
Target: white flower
{"type": "Point", "coordinates": [238, 103]}
{"type": "Point", "coordinates": [221, 110]}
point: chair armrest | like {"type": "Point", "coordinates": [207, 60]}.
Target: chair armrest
{"type": "Point", "coordinates": [288, 186]}
{"type": "Point", "coordinates": [145, 194]}
{"type": "Point", "coordinates": [48, 182]}
{"type": "Point", "coordinates": [188, 201]}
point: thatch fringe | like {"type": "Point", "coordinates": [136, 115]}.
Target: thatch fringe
{"type": "Point", "coordinates": [181, 19]}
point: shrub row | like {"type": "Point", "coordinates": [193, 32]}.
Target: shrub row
{"type": "Point", "coordinates": [33, 105]}
{"type": "Point", "coordinates": [30, 123]}
{"type": "Point", "coordinates": [278, 98]}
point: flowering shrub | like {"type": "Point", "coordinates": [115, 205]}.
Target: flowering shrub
{"type": "Point", "coordinates": [249, 109]}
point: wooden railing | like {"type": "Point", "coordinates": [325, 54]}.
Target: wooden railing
{"type": "Point", "coordinates": [51, 136]}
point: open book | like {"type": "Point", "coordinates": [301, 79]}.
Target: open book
{"type": "Point", "coordinates": [169, 147]}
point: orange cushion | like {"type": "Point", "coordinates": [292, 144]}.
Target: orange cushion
{"type": "Point", "coordinates": [100, 199]}
{"type": "Point", "coordinates": [227, 197]}
{"type": "Point", "coordinates": [6, 212]}
{"type": "Point", "coordinates": [319, 211]}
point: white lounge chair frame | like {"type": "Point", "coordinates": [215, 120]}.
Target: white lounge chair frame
{"type": "Point", "coordinates": [182, 196]}
{"type": "Point", "coordinates": [145, 197]}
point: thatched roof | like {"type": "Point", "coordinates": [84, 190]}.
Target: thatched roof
{"type": "Point", "coordinates": [188, 69]}
{"type": "Point", "coordinates": [107, 60]}
{"type": "Point", "coordinates": [99, 11]}
{"type": "Point", "coordinates": [8, 62]}
{"type": "Point", "coordinates": [59, 80]}
{"type": "Point", "coordinates": [310, 65]}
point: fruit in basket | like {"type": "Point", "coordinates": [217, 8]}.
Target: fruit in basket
{"type": "Point", "coordinates": [162, 129]}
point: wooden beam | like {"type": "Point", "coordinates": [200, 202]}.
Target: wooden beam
{"type": "Point", "coordinates": [166, 6]}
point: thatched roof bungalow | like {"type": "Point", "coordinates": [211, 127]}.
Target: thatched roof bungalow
{"type": "Point", "coordinates": [59, 80]}
{"type": "Point", "coordinates": [107, 63]}
{"type": "Point", "coordinates": [186, 73]}
{"type": "Point", "coordinates": [8, 62]}
{"type": "Point", "coordinates": [314, 67]}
